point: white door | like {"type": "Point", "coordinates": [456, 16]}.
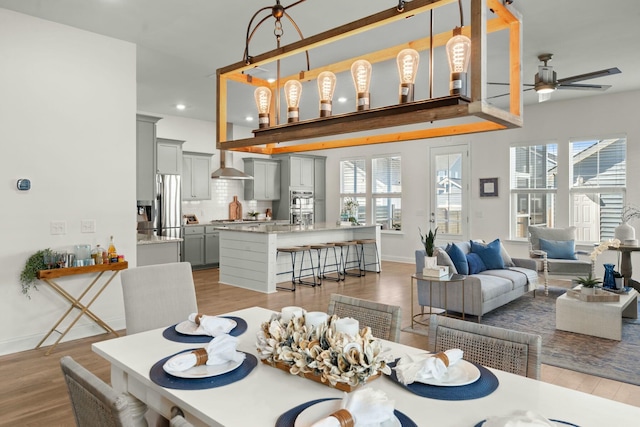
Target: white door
{"type": "Point", "coordinates": [449, 192]}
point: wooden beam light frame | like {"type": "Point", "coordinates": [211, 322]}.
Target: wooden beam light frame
{"type": "Point", "coordinates": [485, 116]}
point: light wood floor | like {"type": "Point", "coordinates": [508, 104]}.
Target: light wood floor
{"type": "Point", "coordinates": [33, 392]}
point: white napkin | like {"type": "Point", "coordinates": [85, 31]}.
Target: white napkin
{"type": "Point", "coordinates": [417, 368]}
{"type": "Point", "coordinates": [220, 350]}
{"type": "Point", "coordinates": [519, 419]}
{"type": "Point", "coordinates": [212, 325]}
{"type": "Point", "coordinates": [368, 407]}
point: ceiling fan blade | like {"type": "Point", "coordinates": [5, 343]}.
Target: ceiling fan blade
{"type": "Point", "coordinates": [506, 84]}
{"type": "Point", "coordinates": [505, 94]}
{"type": "Point", "coordinates": [588, 76]}
{"type": "Point", "coordinates": [584, 87]}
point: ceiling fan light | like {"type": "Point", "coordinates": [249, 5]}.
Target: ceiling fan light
{"type": "Point", "coordinates": [545, 87]}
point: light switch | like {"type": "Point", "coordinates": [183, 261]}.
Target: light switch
{"type": "Point", "coordinates": [88, 226]}
{"type": "Point", "coordinates": [58, 227]}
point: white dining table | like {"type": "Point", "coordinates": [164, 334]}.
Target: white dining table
{"type": "Point", "coordinates": [266, 392]}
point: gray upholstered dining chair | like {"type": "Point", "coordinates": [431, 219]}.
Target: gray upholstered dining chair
{"type": "Point", "coordinates": [94, 402]}
{"type": "Point", "coordinates": [555, 253]}
{"type": "Point", "coordinates": [157, 295]}
{"type": "Point", "coordinates": [499, 348]}
{"type": "Point", "coordinates": [383, 319]}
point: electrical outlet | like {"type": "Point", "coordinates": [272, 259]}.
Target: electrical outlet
{"type": "Point", "coordinates": [88, 226]}
{"type": "Point", "coordinates": [58, 227]}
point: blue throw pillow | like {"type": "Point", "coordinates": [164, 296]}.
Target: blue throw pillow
{"type": "Point", "coordinates": [459, 259]}
{"type": "Point", "coordinates": [490, 254]}
{"type": "Point", "coordinates": [559, 249]}
{"type": "Point", "coordinates": [475, 263]}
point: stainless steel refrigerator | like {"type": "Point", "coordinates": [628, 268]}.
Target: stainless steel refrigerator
{"type": "Point", "coordinates": [164, 216]}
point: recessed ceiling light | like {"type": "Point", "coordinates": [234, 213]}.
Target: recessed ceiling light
{"type": "Point", "coordinates": [271, 80]}
{"type": "Point", "coordinates": [342, 99]}
{"type": "Point", "coordinates": [181, 106]}
{"type": "Point", "coordinates": [249, 118]}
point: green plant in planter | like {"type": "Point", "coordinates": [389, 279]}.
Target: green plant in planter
{"type": "Point", "coordinates": [429, 241]}
{"type": "Point", "coordinates": [589, 281]}
{"type": "Point", "coordinates": [29, 273]}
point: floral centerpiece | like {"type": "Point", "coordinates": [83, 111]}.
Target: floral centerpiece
{"type": "Point", "coordinates": [321, 353]}
{"type": "Point", "coordinates": [611, 243]}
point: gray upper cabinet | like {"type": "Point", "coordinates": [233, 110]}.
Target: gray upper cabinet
{"type": "Point", "coordinates": [169, 156]}
{"type": "Point", "coordinates": [302, 173]}
{"type": "Point", "coordinates": [196, 176]}
{"type": "Point", "coordinates": [320, 189]}
{"type": "Point", "coordinates": [145, 158]}
{"type": "Point", "coordinates": [265, 184]}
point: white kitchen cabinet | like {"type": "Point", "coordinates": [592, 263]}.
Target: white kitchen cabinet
{"type": "Point", "coordinates": [196, 176]}
{"type": "Point", "coordinates": [193, 245]}
{"type": "Point", "coordinates": [169, 156]}
{"type": "Point", "coordinates": [265, 184]}
{"type": "Point", "coordinates": [302, 172]}
{"type": "Point", "coordinates": [145, 158]}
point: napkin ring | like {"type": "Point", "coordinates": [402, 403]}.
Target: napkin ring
{"type": "Point", "coordinates": [344, 417]}
{"type": "Point", "coordinates": [198, 317]}
{"type": "Point", "coordinates": [442, 356]}
{"type": "Point", "coordinates": [201, 356]}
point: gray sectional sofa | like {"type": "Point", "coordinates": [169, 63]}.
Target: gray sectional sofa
{"type": "Point", "coordinates": [483, 291]}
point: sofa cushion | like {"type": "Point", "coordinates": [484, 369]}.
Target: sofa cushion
{"type": "Point", "coordinates": [508, 261]}
{"type": "Point", "coordinates": [445, 259]}
{"type": "Point", "coordinates": [516, 277]}
{"type": "Point", "coordinates": [459, 259]}
{"type": "Point", "coordinates": [475, 263]}
{"type": "Point", "coordinates": [559, 249]}
{"type": "Point", "coordinates": [489, 253]}
{"type": "Point", "coordinates": [494, 286]}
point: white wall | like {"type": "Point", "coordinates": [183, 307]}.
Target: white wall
{"type": "Point", "coordinates": [595, 116]}
{"type": "Point", "coordinates": [67, 122]}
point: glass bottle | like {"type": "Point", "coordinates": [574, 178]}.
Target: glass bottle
{"type": "Point", "coordinates": [609, 280]}
{"type": "Point", "coordinates": [97, 254]}
{"type": "Point", "coordinates": [112, 253]}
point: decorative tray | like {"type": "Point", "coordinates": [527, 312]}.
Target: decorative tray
{"type": "Point", "coordinates": [598, 296]}
{"type": "Point", "coordinates": [317, 378]}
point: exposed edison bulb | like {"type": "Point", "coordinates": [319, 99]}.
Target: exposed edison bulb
{"type": "Point", "coordinates": [262, 96]}
{"type": "Point", "coordinates": [326, 87]}
{"type": "Point", "coordinates": [292, 93]}
{"type": "Point", "coordinates": [458, 52]}
{"type": "Point", "coordinates": [407, 61]}
{"type": "Point", "coordinates": [361, 73]}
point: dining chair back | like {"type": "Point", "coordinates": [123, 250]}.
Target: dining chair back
{"type": "Point", "coordinates": [499, 348]}
{"type": "Point", "coordinates": [179, 421]}
{"type": "Point", "coordinates": [383, 319]}
{"type": "Point", "coordinates": [94, 403]}
{"type": "Point", "coordinates": [157, 295]}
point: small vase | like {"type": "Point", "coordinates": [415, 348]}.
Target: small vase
{"type": "Point", "coordinates": [609, 281]}
{"type": "Point", "coordinates": [619, 282]}
{"type": "Point", "coordinates": [588, 291]}
{"type": "Point", "coordinates": [625, 232]}
{"type": "Point", "coordinates": [430, 262]}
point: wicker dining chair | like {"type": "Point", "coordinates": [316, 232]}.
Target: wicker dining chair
{"type": "Point", "coordinates": [383, 319]}
{"type": "Point", "coordinates": [94, 402]}
{"type": "Point", "coordinates": [177, 418]}
{"type": "Point", "coordinates": [499, 348]}
{"type": "Point", "coordinates": [157, 295]}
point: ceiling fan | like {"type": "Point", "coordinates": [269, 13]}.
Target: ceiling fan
{"type": "Point", "coordinates": [546, 81]}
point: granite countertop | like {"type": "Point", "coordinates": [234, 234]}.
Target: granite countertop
{"type": "Point", "coordinates": [288, 228]}
{"type": "Point", "coordinates": [240, 222]}
{"type": "Point", "coordinates": [148, 239]}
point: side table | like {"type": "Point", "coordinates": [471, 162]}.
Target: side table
{"type": "Point", "coordinates": [47, 276]}
{"type": "Point", "coordinates": [451, 278]}
{"type": "Point", "coordinates": [626, 268]}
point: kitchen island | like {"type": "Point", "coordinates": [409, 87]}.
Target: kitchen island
{"type": "Point", "coordinates": [157, 249]}
{"type": "Point", "coordinates": [248, 252]}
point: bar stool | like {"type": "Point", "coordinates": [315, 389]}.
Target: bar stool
{"type": "Point", "coordinates": [293, 251]}
{"type": "Point", "coordinates": [322, 267]}
{"type": "Point", "coordinates": [363, 259]}
{"type": "Point", "coordinates": [347, 264]}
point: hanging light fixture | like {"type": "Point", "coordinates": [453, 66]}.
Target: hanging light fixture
{"type": "Point", "coordinates": [361, 73]}
{"type": "Point", "coordinates": [326, 87]}
{"type": "Point", "coordinates": [407, 60]}
{"type": "Point", "coordinates": [458, 52]}
{"type": "Point", "coordinates": [262, 96]}
{"type": "Point", "coordinates": [292, 93]}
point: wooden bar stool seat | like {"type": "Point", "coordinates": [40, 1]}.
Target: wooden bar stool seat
{"type": "Point", "coordinates": [346, 263]}
{"type": "Point", "coordinates": [293, 251]}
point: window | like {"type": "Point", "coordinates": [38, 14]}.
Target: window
{"type": "Point", "coordinates": [533, 187]}
{"type": "Point", "coordinates": [386, 191]}
{"type": "Point", "coordinates": [598, 184]}
{"type": "Point", "coordinates": [596, 173]}
{"type": "Point", "coordinates": [384, 195]}
{"type": "Point", "coordinates": [353, 188]}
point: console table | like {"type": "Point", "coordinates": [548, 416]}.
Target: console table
{"type": "Point", "coordinates": [625, 264]}
{"type": "Point", "coordinates": [48, 277]}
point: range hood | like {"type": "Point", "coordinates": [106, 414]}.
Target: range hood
{"type": "Point", "coordinates": [228, 172]}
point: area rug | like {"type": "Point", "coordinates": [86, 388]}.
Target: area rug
{"type": "Point", "coordinates": [616, 360]}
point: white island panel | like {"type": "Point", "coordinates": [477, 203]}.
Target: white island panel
{"type": "Point", "coordinates": [248, 253]}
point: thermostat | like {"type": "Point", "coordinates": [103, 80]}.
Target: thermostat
{"type": "Point", "coordinates": [24, 184]}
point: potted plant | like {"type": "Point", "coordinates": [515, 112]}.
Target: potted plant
{"type": "Point", "coordinates": [617, 276]}
{"type": "Point", "coordinates": [588, 283]}
{"type": "Point", "coordinates": [429, 242]}
{"type": "Point", "coordinates": [254, 215]}
{"type": "Point", "coordinates": [29, 273]}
